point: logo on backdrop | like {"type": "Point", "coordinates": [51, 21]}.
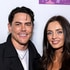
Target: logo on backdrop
{"type": "Point", "coordinates": [61, 2]}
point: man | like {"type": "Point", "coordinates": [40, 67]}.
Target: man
{"type": "Point", "coordinates": [18, 52]}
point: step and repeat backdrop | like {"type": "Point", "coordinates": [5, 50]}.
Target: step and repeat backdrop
{"type": "Point", "coordinates": [43, 10]}
{"type": "Point", "coordinates": [62, 2]}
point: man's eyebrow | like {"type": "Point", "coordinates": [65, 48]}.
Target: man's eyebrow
{"type": "Point", "coordinates": [17, 22]}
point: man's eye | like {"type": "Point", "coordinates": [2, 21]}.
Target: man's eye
{"type": "Point", "coordinates": [28, 24]}
{"type": "Point", "coordinates": [18, 24]}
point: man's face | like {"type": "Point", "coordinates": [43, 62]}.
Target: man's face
{"type": "Point", "coordinates": [21, 29]}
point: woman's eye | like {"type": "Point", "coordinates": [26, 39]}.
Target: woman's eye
{"type": "Point", "coordinates": [48, 33]}
{"type": "Point", "coordinates": [60, 32]}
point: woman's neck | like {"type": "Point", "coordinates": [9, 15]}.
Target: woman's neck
{"type": "Point", "coordinates": [57, 60]}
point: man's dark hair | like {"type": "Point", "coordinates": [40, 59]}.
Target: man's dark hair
{"type": "Point", "coordinates": [20, 10]}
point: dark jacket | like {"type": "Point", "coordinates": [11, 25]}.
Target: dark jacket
{"type": "Point", "coordinates": [9, 58]}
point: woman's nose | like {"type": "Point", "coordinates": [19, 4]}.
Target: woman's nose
{"type": "Point", "coordinates": [54, 35]}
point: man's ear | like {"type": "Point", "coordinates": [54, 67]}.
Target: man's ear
{"type": "Point", "coordinates": [9, 27]}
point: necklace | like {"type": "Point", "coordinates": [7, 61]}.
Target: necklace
{"type": "Point", "coordinates": [24, 55]}
{"type": "Point", "coordinates": [21, 55]}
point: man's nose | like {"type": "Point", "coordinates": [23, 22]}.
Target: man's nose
{"type": "Point", "coordinates": [23, 27]}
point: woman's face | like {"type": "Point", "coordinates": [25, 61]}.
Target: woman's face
{"type": "Point", "coordinates": [55, 35]}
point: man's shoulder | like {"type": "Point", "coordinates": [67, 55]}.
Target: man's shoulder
{"type": "Point", "coordinates": [2, 46]}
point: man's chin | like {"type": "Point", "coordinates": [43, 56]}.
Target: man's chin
{"type": "Point", "coordinates": [23, 43]}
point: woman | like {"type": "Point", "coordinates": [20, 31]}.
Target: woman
{"type": "Point", "coordinates": [56, 44]}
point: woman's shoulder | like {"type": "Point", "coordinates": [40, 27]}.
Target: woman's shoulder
{"type": "Point", "coordinates": [66, 64]}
